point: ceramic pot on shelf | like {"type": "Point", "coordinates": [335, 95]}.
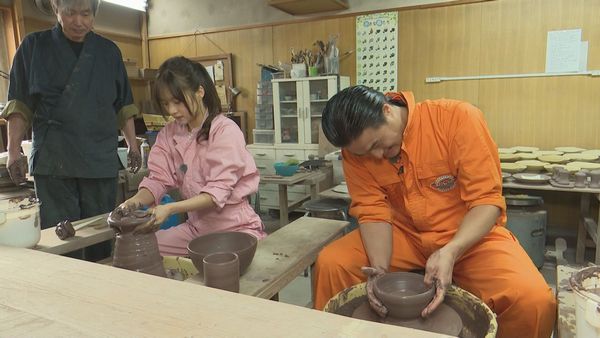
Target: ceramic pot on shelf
{"type": "Point", "coordinates": [137, 252]}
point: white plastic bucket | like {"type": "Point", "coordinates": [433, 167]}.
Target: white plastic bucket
{"type": "Point", "coordinates": [20, 222]}
{"type": "Point", "coordinates": [586, 285]}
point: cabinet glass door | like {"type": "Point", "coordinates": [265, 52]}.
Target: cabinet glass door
{"type": "Point", "coordinates": [317, 95]}
{"type": "Point", "coordinates": [288, 99]}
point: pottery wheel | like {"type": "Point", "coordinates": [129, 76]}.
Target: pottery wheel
{"type": "Point", "coordinates": [444, 320]}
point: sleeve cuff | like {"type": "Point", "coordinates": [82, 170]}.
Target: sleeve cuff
{"type": "Point", "coordinates": [126, 113]}
{"type": "Point", "coordinates": [17, 107]}
{"type": "Point", "coordinates": [156, 189]}
{"type": "Point", "coordinates": [219, 195]}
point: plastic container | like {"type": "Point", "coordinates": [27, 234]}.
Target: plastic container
{"type": "Point", "coordinates": [336, 159]}
{"type": "Point", "coordinates": [526, 219]}
{"type": "Point", "coordinates": [20, 222]}
{"type": "Point", "coordinates": [586, 283]}
{"type": "Point", "coordinates": [145, 151]}
{"type": "Point", "coordinates": [283, 169]}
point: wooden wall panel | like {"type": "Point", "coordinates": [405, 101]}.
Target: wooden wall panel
{"type": "Point", "coordinates": [248, 47]}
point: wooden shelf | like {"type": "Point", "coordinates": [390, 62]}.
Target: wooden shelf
{"type": "Point", "coordinates": [302, 7]}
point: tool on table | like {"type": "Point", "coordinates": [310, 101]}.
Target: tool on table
{"type": "Point", "coordinates": [65, 229]}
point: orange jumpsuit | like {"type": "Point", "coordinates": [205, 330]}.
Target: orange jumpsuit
{"type": "Point", "coordinates": [448, 164]}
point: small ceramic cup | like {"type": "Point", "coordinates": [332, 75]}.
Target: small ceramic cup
{"type": "Point", "coordinates": [222, 271]}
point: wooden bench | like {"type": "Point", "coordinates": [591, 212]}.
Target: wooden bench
{"type": "Point", "coordinates": [285, 254]}
{"type": "Point", "coordinates": [279, 258]}
{"type": "Point", "coordinates": [96, 232]}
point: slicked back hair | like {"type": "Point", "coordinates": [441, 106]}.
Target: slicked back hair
{"type": "Point", "coordinates": [348, 113]}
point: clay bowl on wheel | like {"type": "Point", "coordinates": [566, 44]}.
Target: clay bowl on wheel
{"type": "Point", "coordinates": [405, 294]}
{"type": "Point", "coordinates": [243, 244]}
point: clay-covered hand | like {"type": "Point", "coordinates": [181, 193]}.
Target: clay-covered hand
{"type": "Point", "coordinates": [372, 275]}
{"type": "Point", "coordinates": [159, 214]}
{"type": "Point", "coordinates": [126, 208]}
{"type": "Point", "coordinates": [17, 168]}
{"type": "Point", "coordinates": [438, 272]}
{"type": "Point", "coordinates": [134, 160]}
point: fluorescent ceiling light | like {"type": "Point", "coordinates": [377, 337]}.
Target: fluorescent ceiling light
{"type": "Point", "coordinates": [139, 5]}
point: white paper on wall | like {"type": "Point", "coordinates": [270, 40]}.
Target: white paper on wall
{"type": "Point", "coordinates": [377, 51]}
{"type": "Point", "coordinates": [563, 51]}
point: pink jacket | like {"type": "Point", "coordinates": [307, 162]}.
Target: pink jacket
{"type": "Point", "coordinates": [220, 166]}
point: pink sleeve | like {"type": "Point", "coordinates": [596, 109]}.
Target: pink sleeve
{"type": "Point", "coordinates": [160, 167]}
{"type": "Point", "coordinates": [227, 160]}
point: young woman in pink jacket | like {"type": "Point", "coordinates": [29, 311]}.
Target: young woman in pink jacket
{"type": "Point", "coordinates": [204, 155]}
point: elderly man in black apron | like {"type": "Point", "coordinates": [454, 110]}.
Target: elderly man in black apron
{"type": "Point", "coordinates": [70, 85]}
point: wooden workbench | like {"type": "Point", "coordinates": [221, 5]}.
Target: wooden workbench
{"type": "Point", "coordinates": [311, 178]}
{"type": "Point", "coordinates": [284, 254]}
{"type": "Point", "coordinates": [45, 295]}
{"type": "Point", "coordinates": [94, 233]}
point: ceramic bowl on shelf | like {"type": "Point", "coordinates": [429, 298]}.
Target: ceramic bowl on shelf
{"type": "Point", "coordinates": [531, 178]}
{"type": "Point", "coordinates": [589, 157]}
{"type": "Point", "coordinates": [553, 158]}
{"type": "Point", "coordinates": [512, 167]}
{"type": "Point", "coordinates": [528, 156]}
{"type": "Point", "coordinates": [592, 151]}
{"type": "Point", "coordinates": [508, 157]}
{"type": "Point", "coordinates": [571, 169]}
{"type": "Point", "coordinates": [584, 165]}
{"type": "Point", "coordinates": [549, 152]}
{"type": "Point", "coordinates": [524, 149]}
{"type": "Point", "coordinates": [506, 151]}
{"type": "Point", "coordinates": [405, 294]}
{"type": "Point", "coordinates": [533, 165]}
{"type": "Point", "coordinates": [569, 149]}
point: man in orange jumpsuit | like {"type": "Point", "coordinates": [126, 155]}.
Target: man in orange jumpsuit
{"type": "Point", "coordinates": [426, 189]}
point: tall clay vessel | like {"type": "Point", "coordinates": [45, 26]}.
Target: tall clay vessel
{"type": "Point", "coordinates": [137, 252]}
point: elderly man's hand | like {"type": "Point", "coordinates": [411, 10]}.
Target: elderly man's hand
{"type": "Point", "coordinates": [17, 168]}
{"type": "Point", "coordinates": [134, 160]}
{"type": "Point", "coordinates": [373, 275]}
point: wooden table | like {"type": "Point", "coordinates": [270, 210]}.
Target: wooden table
{"type": "Point", "coordinates": [311, 178]}
{"type": "Point", "coordinates": [566, 322]}
{"type": "Point", "coordinates": [46, 295]}
{"type": "Point", "coordinates": [284, 254]}
{"type": "Point", "coordinates": [586, 223]}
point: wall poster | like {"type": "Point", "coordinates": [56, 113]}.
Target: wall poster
{"type": "Point", "coordinates": [377, 51]}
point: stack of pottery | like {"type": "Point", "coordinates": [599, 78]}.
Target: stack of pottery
{"type": "Point", "coordinates": [137, 252]}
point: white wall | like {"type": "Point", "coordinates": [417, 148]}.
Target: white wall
{"type": "Point", "coordinates": [188, 16]}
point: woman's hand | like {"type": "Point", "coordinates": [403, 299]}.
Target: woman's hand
{"type": "Point", "coordinates": [438, 272]}
{"type": "Point", "coordinates": [159, 215]}
{"type": "Point", "coordinates": [127, 207]}
{"type": "Point", "coordinates": [373, 275]}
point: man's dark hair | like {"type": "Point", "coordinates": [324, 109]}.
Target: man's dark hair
{"type": "Point", "coordinates": [348, 113]}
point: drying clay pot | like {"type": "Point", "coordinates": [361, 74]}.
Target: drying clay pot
{"type": "Point", "coordinates": [580, 179]}
{"type": "Point", "coordinates": [222, 271]}
{"type": "Point", "coordinates": [137, 252]}
{"type": "Point", "coordinates": [595, 179]}
{"type": "Point", "coordinates": [241, 243]}
{"type": "Point", "coordinates": [404, 294]}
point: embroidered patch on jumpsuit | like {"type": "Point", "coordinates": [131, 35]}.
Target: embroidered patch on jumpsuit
{"type": "Point", "coordinates": [444, 183]}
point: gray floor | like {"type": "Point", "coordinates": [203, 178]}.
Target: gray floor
{"type": "Point", "coordinates": [298, 292]}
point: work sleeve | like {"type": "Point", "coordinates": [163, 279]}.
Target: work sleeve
{"type": "Point", "coordinates": [20, 99]}
{"type": "Point", "coordinates": [225, 161]}
{"type": "Point", "coordinates": [369, 199]}
{"type": "Point", "coordinates": [123, 104]}
{"type": "Point", "coordinates": [475, 154]}
{"type": "Point", "coordinates": [161, 168]}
